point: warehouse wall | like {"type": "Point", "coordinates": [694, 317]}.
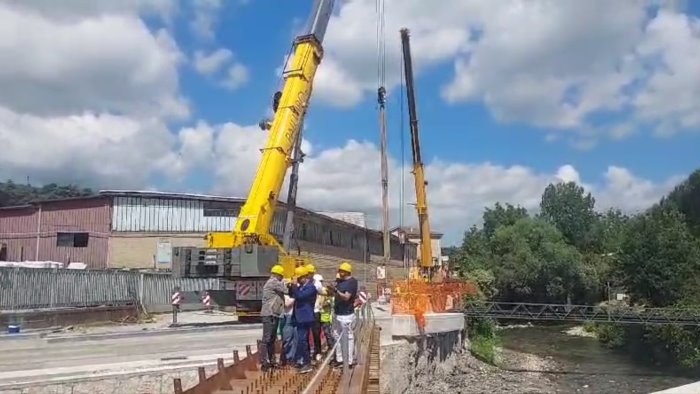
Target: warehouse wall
{"type": "Point", "coordinates": [140, 250]}
{"type": "Point", "coordinates": [140, 224]}
{"type": "Point", "coordinates": [67, 231]}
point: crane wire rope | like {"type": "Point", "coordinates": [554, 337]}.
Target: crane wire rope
{"type": "Point", "coordinates": [381, 102]}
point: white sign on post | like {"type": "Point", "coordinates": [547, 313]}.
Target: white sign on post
{"type": "Point", "coordinates": [381, 272]}
{"type": "Point", "coordinates": [164, 252]}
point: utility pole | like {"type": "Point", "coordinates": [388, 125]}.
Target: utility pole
{"type": "Point", "coordinates": [381, 101]}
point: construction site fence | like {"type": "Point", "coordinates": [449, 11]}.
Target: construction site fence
{"type": "Point", "coordinates": [34, 288]}
{"type": "Point", "coordinates": [418, 297]}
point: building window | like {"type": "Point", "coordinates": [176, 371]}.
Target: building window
{"type": "Point", "coordinates": [220, 209]}
{"type": "Point", "coordinates": [72, 240]}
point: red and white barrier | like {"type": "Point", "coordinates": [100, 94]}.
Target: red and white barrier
{"type": "Point", "coordinates": [363, 296]}
{"type": "Point", "coordinates": [176, 299]}
{"type": "Point", "coordinates": [207, 302]}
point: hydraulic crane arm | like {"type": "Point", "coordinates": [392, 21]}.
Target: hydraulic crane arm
{"type": "Point", "coordinates": [255, 218]}
{"type": "Point", "coordinates": [426, 254]}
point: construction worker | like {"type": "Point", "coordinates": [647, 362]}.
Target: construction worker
{"type": "Point", "coordinates": [327, 319]}
{"type": "Point", "coordinates": [344, 312]}
{"type": "Point", "coordinates": [304, 295]}
{"type": "Point", "coordinates": [316, 328]}
{"type": "Point", "coordinates": [289, 331]}
{"type": "Point", "coordinates": [272, 309]}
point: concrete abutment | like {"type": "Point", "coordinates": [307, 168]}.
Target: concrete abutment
{"type": "Point", "coordinates": [416, 356]}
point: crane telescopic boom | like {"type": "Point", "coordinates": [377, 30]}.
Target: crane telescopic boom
{"type": "Point", "coordinates": [255, 218]}
{"type": "Point", "coordinates": [252, 246]}
{"type": "Point", "coordinates": [426, 254]}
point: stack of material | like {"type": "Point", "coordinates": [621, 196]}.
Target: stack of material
{"type": "Point", "coordinates": [31, 264]}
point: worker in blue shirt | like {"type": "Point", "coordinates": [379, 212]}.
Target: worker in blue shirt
{"type": "Point", "coordinates": [304, 294]}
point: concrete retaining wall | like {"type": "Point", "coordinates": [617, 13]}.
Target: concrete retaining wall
{"type": "Point", "coordinates": [68, 316]}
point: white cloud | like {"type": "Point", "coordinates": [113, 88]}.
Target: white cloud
{"type": "Point", "coordinates": [87, 91]}
{"type": "Point", "coordinates": [72, 10]}
{"type": "Point", "coordinates": [236, 76]}
{"type": "Point", "coordinates": [87, 148]}
{"type": "Point", "coordinates": [205, 18]}
{"type": "Point", "coordinates": [548, 63]}
{"type": "Point", "coordinates": [347, 178]}
{"type": "Point", "coordinates": [672, 95]}
{"type": "Point", "coordinates": [211, 63]}
{"type": "Point", "coordinates": [109, 62]}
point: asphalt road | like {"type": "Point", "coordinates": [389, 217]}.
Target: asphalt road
{"type": "Point", "coordinates": [24, 360]}
{"type": "Point", "coordinates": [106, 352]}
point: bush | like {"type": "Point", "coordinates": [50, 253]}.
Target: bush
{"type": "Point", "coordinates": [485, 349]}
{"type": "Point", "coordinates": [612, 335]}
{"type": "Point", "coordinates": [483, 338]}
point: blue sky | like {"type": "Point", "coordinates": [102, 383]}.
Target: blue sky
{"type": "Point", "coordinates": [512, 95]}
{"type": "Point", "coordinates": [463, 132]}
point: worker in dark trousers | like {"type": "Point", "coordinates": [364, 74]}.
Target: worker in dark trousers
{"type": "Point", "coordinates": [304, 295]}
{"type": "Point", "coordinates": [316, 328]}
{"type": "Point", "coordinates": [272, 309]}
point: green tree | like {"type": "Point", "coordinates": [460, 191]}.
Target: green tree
{"type": "Point", "coordinates": [685, 198]}
{"type": "Point", "coordinates": [659, 258]}
{"type": "Point", "coordinates": [475, 252]}
{"type": "Point", "coordinates": [16, 194]}
{"type": "Point", "coordinates": [501, 215]}
{"type": "Point", "coordinates": [571, 210]}
{"type": "Point", "coordinates": [532, 262]}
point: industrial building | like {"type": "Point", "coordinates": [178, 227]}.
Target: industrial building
{"type": "Point", "coordinates": [137, 230]}
{"type": "Point", "coordinates": [412, 236]}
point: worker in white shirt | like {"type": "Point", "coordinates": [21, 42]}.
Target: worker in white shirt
{"type": "Point", "coordinates": [316, 328]}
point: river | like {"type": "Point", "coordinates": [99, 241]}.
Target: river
{"type": "Point", "coordinates": [583, 365]}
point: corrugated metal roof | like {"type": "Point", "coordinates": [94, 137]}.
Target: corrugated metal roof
{"type": "Point", "coordinates": [413, 231]}
{"type": "Point", "coordinates": [172, 195]}
{"type": "Point", "coordinates": [356, 218]}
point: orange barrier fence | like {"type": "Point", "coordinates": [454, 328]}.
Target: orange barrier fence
{"type": "Point", "coordinates": [416, 297]}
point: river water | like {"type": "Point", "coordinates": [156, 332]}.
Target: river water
{"type": "Point", "coordinates": [583, 365]}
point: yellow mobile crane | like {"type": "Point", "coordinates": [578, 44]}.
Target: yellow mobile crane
{"type": "Point", "coordinates": [426, 253]}
{"type": "Point", "coordinates": [246, 254]}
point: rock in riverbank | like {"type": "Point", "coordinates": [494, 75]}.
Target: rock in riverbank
{"type": "Point", "coordinates": [418, 368]}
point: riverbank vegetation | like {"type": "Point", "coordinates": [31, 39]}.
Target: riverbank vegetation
{"type": "Point", "coordinates": [570, 252]}
{"type": "Point", "coordinates": [483, 340]}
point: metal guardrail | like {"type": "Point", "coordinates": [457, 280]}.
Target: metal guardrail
{"type": "Point", "coordinates": [37, 288]}
{"type": "Point", "coordinates": [581, 313]}
{"type": "Point", "coordinates": [245, 375]}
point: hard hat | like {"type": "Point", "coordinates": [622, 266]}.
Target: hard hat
{"type": "Point", "coordinates": [346, 267]}
{"type": "Point", "coordinates": [277, 269]}
{"type": "Point", "coordinates": [300, 271]}
{"type": "Point", "coordinates": [310, 268]}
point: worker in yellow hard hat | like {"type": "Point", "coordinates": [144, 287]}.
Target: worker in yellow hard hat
{"type": "Point", "coordinates": [316, 327]}
{"type": "Point", "coordinates": [272, 309]}
{"type": "Point", "coordinates": [344, 311]}
{"type": "Point", "coordinates": [304, 294]}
